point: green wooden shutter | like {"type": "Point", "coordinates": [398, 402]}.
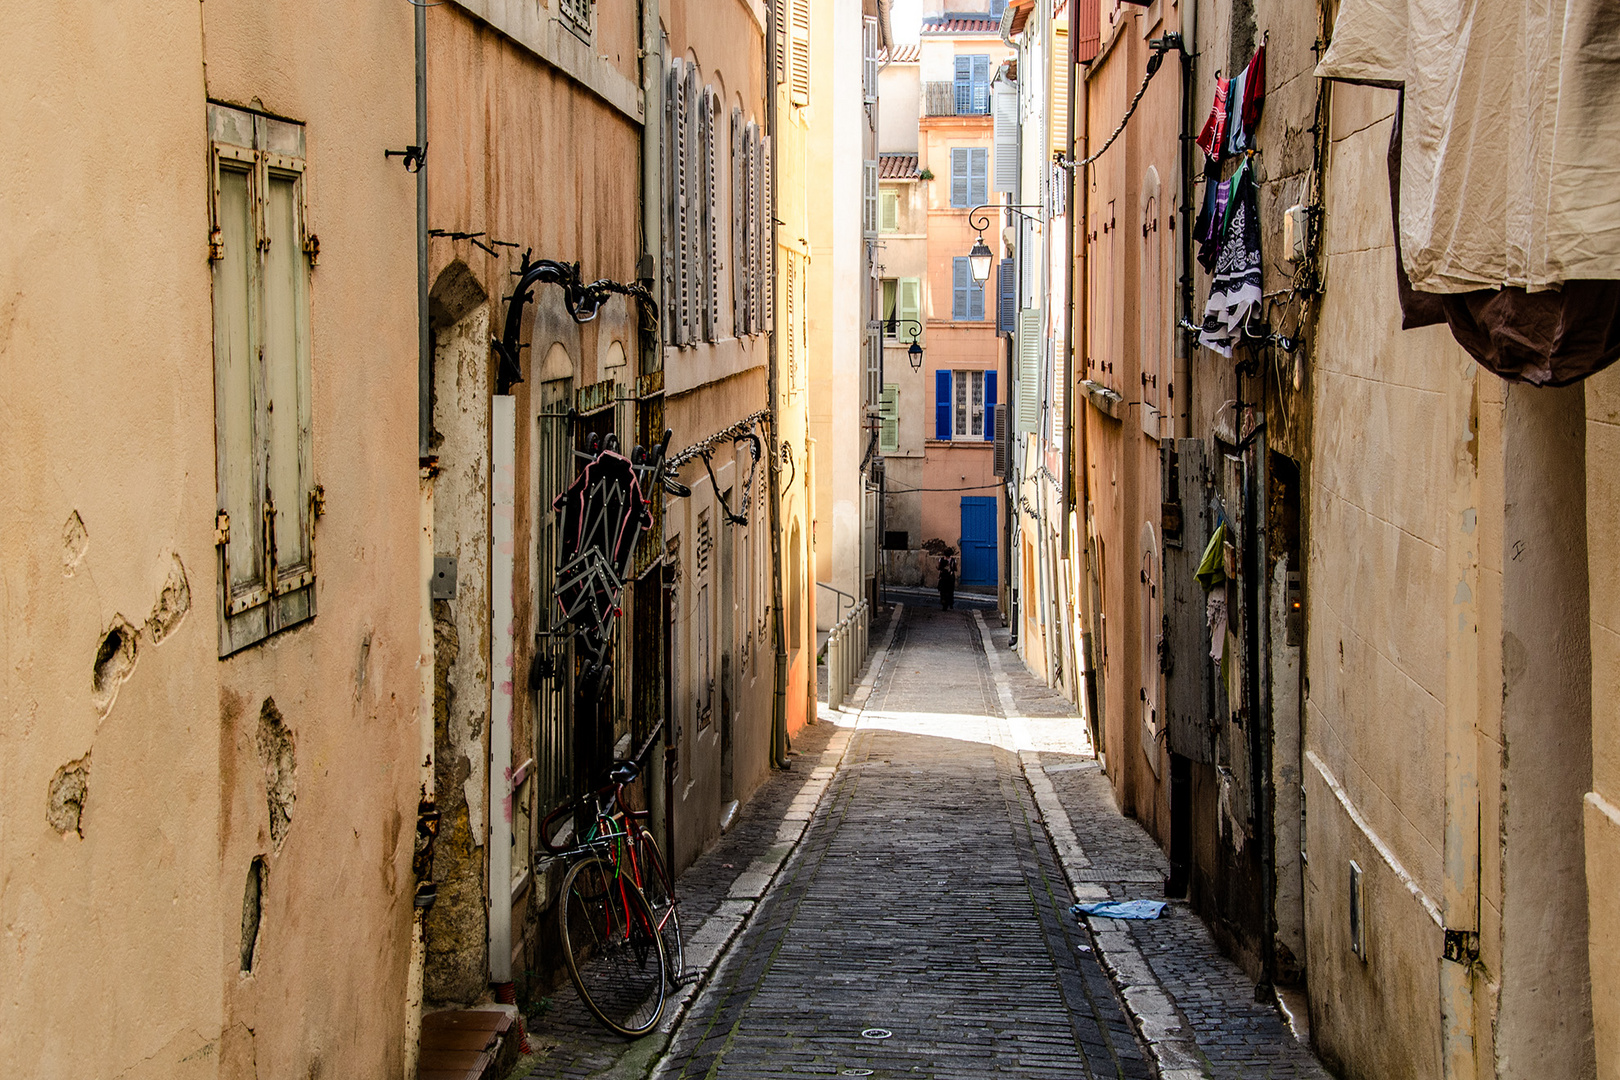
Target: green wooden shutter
{"type": "Point", "coordinates": [889, 436]}
{"type": "Point", "coordinates": [910, 304]}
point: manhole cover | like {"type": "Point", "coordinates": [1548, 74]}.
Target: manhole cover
{"type": "Point", "coordinates": [876, 1033]}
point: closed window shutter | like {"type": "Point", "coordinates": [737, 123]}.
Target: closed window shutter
{"type": "Point", "coordinates": [1005, 115]}
{"type": "Point", "coordinates": [692, 253]}
{"type": "Point", "coordinates": [869, 198]}
{"type": "Point", "coordinates": [1029, 369]}
{"type": "Point", "coordinates": [672, 202]}
{"type": "Point", "coordinates": [779, 11]}
{"type": "Point", "coordinates": [981, 85]}
{"type": "Point", "coordinates": [961, 282]}
{"type": "Point", "coordinates": [978, 176]}
{"type": "Point", "coordinates": [711, 214]}
{"type": "Point", "coordinates": [869, 48]}
{"type": "Point", "coordinates": [799, 86]}
{"type": "Point", "coordinates": [910, 305]}
{"type": "Point", "coordinates": [963, 85]}
{"type": "Point", "coordinates": [889, 438]}
{"type": "Point", "coordinates": [889, 211]}
{"type": "Point", "coordinates": [989, 406]}
{"type": "Point", "coordinates": [1029, 270]}
{"type": "Point", "coordinates": [975, 299]}
{"type": "Point", "coordinates": [751, 239]}
{"type": "Point", "coordinates": [767, 237]}
{"type": "Point", "coordinates": [739, 228]}
{"type": "Point", "coordinates": [1060, 91]}
{"type": "Point", "coordinates": [959, 176]}
{"type": "Point", "coordinates": [1006, 298]}
{"type": "Point", "coordinates": [999, 467]}
{"type": "Point", "coordinates": [942, 404]}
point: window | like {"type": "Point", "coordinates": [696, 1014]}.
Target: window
{"type": "Point", "coordinates": [970, 174]}
{"type": "Point", "coordinates": [902, 300]}
{"type": "Point", "coordinates": [967, 295]}
{"type": "Point", "coordinates": [972, 85]}
{"type": "Point", "coordinates": [896, 540]}
{"type": "Point", "coordinates": [799, 65]}
{"type": "Point", "coordinates": [965, 405]}
{"type": "Point", "coordinates": [869, 54]}
{"type": "Point", "coordinates": [261, 252]}
{"type": "Point", "coordinates": [576, 17]}
{"type": "Point", "coordinates": [889, 210]}
{"type": "Point", "coordinates": [889, 412]}
{"type": "Point", "coordinates": [869, 198]}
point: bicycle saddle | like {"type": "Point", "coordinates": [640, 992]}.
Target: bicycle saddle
{"type": "Point", "coordinates": [624, 773]}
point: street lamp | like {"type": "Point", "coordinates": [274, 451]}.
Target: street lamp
{"type": "Point", "coordinates": [915, 352]}
{"type": "Point", "coordinates": [980, 258]}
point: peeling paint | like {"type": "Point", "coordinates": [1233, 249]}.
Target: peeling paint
{"type": "Point", "coordinates": [276, 753]}
{"type": "Point", "coordinates": [172, 603]}
{"type": "Point", "coordinates": [64, 803]}
{"type": "Point", "coordinates": [75, 542]}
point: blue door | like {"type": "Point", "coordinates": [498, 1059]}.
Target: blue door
{"type": "Point", "coordinates": [978, 541]}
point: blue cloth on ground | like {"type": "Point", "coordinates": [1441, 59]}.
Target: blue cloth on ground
{"type": "Point", "coordinates": [1121, 909]}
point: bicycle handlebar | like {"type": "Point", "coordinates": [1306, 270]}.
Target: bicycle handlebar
{"type": "Point", "coordinates": [621, 774]}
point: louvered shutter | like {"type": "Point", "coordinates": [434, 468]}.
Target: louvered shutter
{"type": "Point", "coordinates": [889, 211]}
{"type": "Point", "coordinates": [963, 85]}
{"type": "Point", "coordinates": [739, 227]}
{"type": "Point", "coordinates": [989, 406]}
{"type": "Point", "coordinates": [869, 54]}
{"type": "Point", "coordinates": [1006, 298]}
{"type": "Point", "coordinates": [779, 11]}
{"type": "Point", "coordinates": [975, 297]}
{"type": "Point", "coordinates": [981, 85]}
{"type": "Point", "coordinates": [909, 305]}
{"type": "Point", "coordinates": [799, 85]}
{"type": "Point", "coordinates": [999, 467]}
{"type": "Point", "coordinates": [672, 203]}
{"type": "Point", "coordinates": [712, 212]}
{"type": "Point", "coordinates": [751, 239]}
{"type": "Point", "coordinates": [978, 176]}
{"type": "Point", "coordinates": [1059, 112]}
{"type": "Point", "coordinates": [961, 282]}
{"type": "Point", "coordinates": [869, 198]}
{"type": "Point", "coordinates": [693, 239]}
{"type": "Point", "coordinates": [1029, 369]}
{"type": "Point", "coordinates": [889, 434]}
{"type": "Point", "coordinates": [1005, 115]}
{"type": "Point", "coordinates": [767, 238]}
{"type": "Point", "coordinates": [1029, 270]}
{"type": "Point", "coordinates": [959, 176]}
{"type": "Point", "coordinates": [942, 404]}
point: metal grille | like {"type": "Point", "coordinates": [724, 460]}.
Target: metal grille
{"type": "Point", "coordinates": [576, 16]}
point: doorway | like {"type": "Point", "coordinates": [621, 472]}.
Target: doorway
{"type": "Point", "coordinates": [978, 541]}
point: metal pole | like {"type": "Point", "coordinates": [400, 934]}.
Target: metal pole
{"type": "Point", "coordinates": [424, 337]}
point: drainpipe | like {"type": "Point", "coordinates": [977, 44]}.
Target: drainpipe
{"type": "Point", "coordinates": [1080, 316]}
{"type": "Point", "coordinates": [779, 740]}
{"type": "Point", "coordinates": [503, 475]}
{"type": "Point", "coordinates": [424, 603]}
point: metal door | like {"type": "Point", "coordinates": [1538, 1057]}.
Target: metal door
{"type": "Point", "coordinates": [978, 540]}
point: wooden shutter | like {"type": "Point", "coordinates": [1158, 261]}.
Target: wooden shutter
{"type": "Point", "coordinates": [961, 283]}
{"type": "Point", "coordinates": [712, 212]}
{"type": "Point", "coordinates": [942, 404]}
{"type": "Point", "coordinates": [767, 238]}
{"type": "Point", "coordinates": [1006, 298]}
{"type": "Point", "coordinates": [739, 226]}
{"type": "Point", "coordinates": [236, 347]}
{"type": "Point", "coordinates": [889, 410]}
{"type": "Point", "coordinates": [869, 54]}
{"type": "Point", "coordinates": [978, 176]}
{"type": "Point", "coordinates": [692, 254]}
{"type": "Point", "coordinates": [889, 211]}
{"type": "Point", "coordinates": [1152, 317]}
{"type": "Point", "coordinates": [999, 461]}
{"type": "Point", "coordinates": [963, 85]}
{"type": "Point", "coordinates": [869, 198]}
{"type": "Point", "coordinates": [989, 406]}
{"type": "Point", "coordinates": [975, 299]}
{"type": "Point", "coordinates": [751, 240]}
{"type": "Point", "coordinates": [673, 95]}
{"type": "Point", "coordinates": [981, 85]}
{"type": "Point", "coordinates": [1005, 118]}
{"type": "Point", "coordinates": [909, 305]}
{"type": "Point", "coordinates": [1029, 369]}
{"type": "Point", "coordinates": [1089, 39]}
{"type": "Point", "coordinates": [1189, 701]}
{"type": "Point", "coordinates": [779, 12]}
{"type": "Point", "coordinates": [959, 176]}
{"type": "Point", "coordinates": [799, 84]}
{"type": "Point", "coordinates": [1059, 112]}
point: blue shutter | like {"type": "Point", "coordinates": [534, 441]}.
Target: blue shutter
{"type": "Point", "coordinates": [1006, 299]}
{"type": "Point", "coordinates": [975, 295]}
{"type": "Point", "coordinates": [961, 282]}
{"type": "Point", "coordinates": [981, 84]}
{"type": "Point", "coordinates": [989, 406]}
{"type": "Point", "coordinates": [964, 85]}
{"type": "Point", "coordinates": [942, 404]}
{"type": "Point", "coordinates": [978, 176]}
{"type": "Point", "coordinates": [959, 176]}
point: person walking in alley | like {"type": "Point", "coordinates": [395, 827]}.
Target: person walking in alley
{"type": "Point", "coordinates": [947, 582]}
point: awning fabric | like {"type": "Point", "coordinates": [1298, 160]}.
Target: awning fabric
{"type": "Point", "coordinates": [1511, 147]}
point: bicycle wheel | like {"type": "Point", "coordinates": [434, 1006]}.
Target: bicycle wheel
{"type": "Point", "coordinates": [614, 953]}
{"type": "Point", "coordinates": [660, 894]}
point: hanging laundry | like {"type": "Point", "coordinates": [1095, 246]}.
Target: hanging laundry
{"type": "Point", "coordinates": [1207, 229]}
{"type": "Point", "coordinates": [1244, 97]}
{"type": "Point", "coordinates": [1236, 287]}
{"type": "Point", "coordinates": [1212, 140]}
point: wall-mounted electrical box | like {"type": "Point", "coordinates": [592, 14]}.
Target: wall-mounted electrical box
{"type": "Point", "coordinates": [443, 585]}
{"type": "Point", "coordinates": [1294, 233]}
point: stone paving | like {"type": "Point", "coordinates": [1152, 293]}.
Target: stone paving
{"type": "Point", "coordinates": [928, 898]}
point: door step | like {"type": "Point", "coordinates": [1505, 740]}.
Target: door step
{"type": "Point", "coordinates": [468, 1044]}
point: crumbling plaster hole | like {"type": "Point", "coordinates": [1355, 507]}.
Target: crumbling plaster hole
{"type": "Point", "coordinates": [172, 603]}
{"type": "Point", "coordinates": [275, 743]}
{"type": "Point", "coordinates": [64, 803]}
{"type": "Point", "coordinates": [115, 661]}
{"type": "Point", "coordinates": [252, 911]}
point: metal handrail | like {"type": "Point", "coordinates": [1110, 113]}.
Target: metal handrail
{"type": "Point", "coordinates": [842, 596]}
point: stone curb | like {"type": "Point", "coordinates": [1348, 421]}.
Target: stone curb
{"type": "Point", "coordinates": [1149, 1005]}
{"type": "Point", "coordinates": [709, 943]}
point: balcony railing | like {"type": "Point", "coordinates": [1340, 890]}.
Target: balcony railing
{"type": "Point", "coordinates": [948, 99]}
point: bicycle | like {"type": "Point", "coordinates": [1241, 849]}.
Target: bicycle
{"type": "Point", "coordinates": [617, 915]}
